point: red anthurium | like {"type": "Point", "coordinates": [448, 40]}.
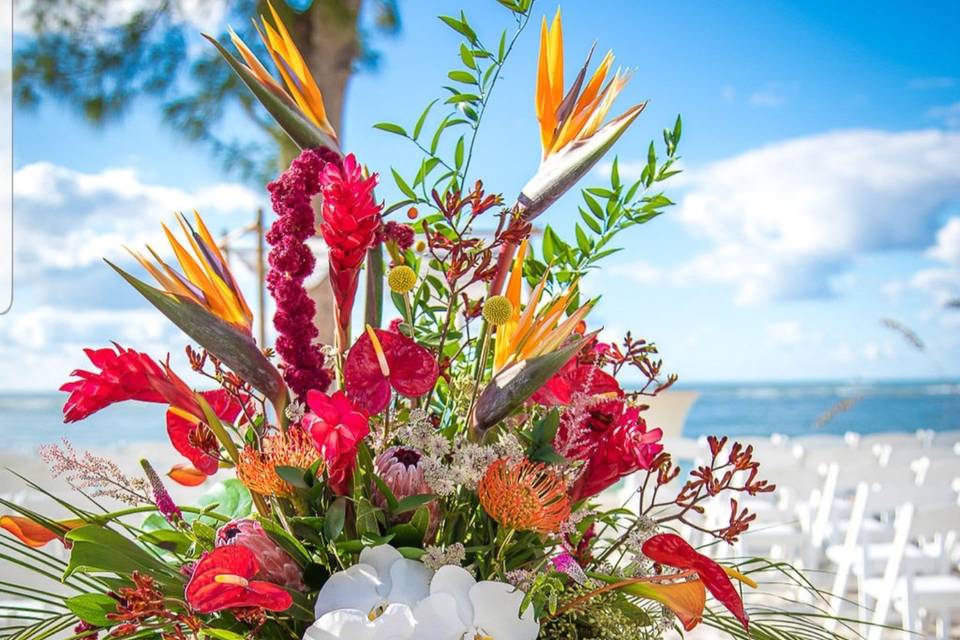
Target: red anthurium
{"type": "Point", "coordinates": [672, 550]}
{"type": "Point", "coordinates": [337, 426]}
{"type": "Point", "coordinates": [223, 579]}
{"type": "Point", "coordinates": [190, 435]}
{"type": "Point", "coordinates": [122, 375]}
{"type": "Point", "coordinates": [379, 360]}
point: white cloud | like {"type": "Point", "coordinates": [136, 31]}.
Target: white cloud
{"type": "Point", "coordinates": [786, 333]}
{"type": "Point", "coordinates": [67, 219]}
{"type": "Point", "coordinates": [204, 15]}
{"type": "Point", "coordinates": [766, 98]}
{"type": "Point", "coordinates": [788, 219]}
{"type": "Point", "coordinates": [947, 248]}
{"type": "Point", "coordinates": [949, 114]}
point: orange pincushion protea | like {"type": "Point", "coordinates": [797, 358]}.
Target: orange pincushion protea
{"type": "Point", "coordinates": [525, 496]}
{"type": "Point", "coordinates": [257, 469]}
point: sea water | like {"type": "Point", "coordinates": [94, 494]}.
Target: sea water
{"type": "Point", "coordinates": [794, 409]}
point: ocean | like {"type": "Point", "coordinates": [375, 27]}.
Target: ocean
{"type": "Point", "coordinates": [735, 409]}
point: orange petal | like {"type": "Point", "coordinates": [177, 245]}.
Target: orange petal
{"type": "Point", "coordinates": [34, 534]}
{"type": "Point", "coordinates": [685, 599]}
{"type": "Point", "coordinates": [186, 475]}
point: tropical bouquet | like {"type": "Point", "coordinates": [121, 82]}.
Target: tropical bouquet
{"type": "Point", "coordinates": [442, 475]}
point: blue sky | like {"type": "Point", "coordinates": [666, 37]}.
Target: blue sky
{"type": "Point", "coordinates": [821, 192]}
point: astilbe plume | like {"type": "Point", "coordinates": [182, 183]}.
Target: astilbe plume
{"type": "Point", "coordinates": [291, 261]}
{"type": "Point", "coordinates": [350, 226]}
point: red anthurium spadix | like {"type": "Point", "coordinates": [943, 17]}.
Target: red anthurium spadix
{"type": "Point", "coordinates": [672, 550]}
{"type": "Point", "coordinates": [223, 579]}
{"type": "Point", "coordinates": [380, 360]}
{"type": "Point", "coordinates": [192, 438]}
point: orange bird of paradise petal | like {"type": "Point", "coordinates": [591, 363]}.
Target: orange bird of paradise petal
{"type": "Point", "coordinates": [298, 83]}
{"type": "Point", "coordinates": [205, 277]}
{"type": "Point", "coordinates": [536, 330]}
{"type": "Point", "coordinates": [579, 113]}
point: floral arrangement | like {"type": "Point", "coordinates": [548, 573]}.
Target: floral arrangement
{"type": "Point", "coordinates": [438, 476]}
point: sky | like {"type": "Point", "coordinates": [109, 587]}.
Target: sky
{"type": "Point", "coordinates": [820, 192]}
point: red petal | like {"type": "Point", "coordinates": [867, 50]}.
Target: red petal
{"type": "Point", "coordinates": [672, 550]}
{"type": "Point", "coordinates": [206, 595]}
{"type": "Point", "coordinates": [413, 370]}
{"type": "Point", "coordinates": [575, 377]}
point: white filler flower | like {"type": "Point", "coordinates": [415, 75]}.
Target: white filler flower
{"type": "Point", "coordinates": [460, 608]}
{"type": "Point", "coordinates": [372, 600]}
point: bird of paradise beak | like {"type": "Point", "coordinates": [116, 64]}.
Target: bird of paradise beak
{"type": "Point", "coordinates": [206, 278]}
{"type": "Point", "coordinates": [535, 331]}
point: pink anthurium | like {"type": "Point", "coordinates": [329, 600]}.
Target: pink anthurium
{"type": "Point", "coordinates": [380, 360]}
{"type": "Point", "coordinates": [223, 579]}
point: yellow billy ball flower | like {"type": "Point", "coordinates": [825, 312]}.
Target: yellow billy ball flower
{"type": "Point", "coordinates": [401, 279]}
{"type": "Point", "coordinates": [497, 310]}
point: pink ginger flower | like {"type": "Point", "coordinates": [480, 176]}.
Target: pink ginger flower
{"type": "Point", "coordinates": [291, 261]}
{"type": "Point", "coordinates": [276, 565]}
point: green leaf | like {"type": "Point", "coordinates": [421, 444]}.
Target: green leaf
{"type": "Point", "coordinates": [462, 97]}
{"type": "Point", "coordinates": [168, 540]}
{"type": "Point", "coordinates": [284, 110]}
{"type": "Point", "coordinates": [462, 76]}
{"type": "Point", "coordinates": [545, 429]}
{"type": "Point", "coordinates": [547, 454]}
{"type": "Point", "coordinates": [458, 153]}
{"type": "Point", "coordinates": [367, 523]}
{"type": "Point", "coordinates": [293, 476]}
{"type": "Point", "coordinates": [411, 503]}
{"type": "Point", "coordinates": [92, 608]}
{"type": "Point", "coordinates": [467, 56]}
{"type": "Point", "coordinates": [232, 499]}
{"type": "Point", "coordinates": [237, 350]}
{"type": "Point", "coordinates": [513, 386]}
{"type": "Point", "coordinates": [98, 549]}
{"type": "Point", "coordinates": [402, 185]}
{"type": "Point", "coordinates": [461, 27]}
{"type": "Point", "coordinates": [390, 127]}
{"type": "Point", "coordinates": [221, 634]}
{"type": "Point", "coordinates": [590, 221]}
{"type": "Point", "coordinates": [386, 491]}
{"type": "Point", "coordinates": [418, 127]}
{"type": "Point", "coordinates": [583, 243]}
{"type": "Point", "coordinates": [335, 519]}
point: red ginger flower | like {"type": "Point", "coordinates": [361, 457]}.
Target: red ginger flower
{"type": "Point", "coordinates": [379, 360]}
{"type": "Point", "coordinates": [123, 375]}
{"type": "Point", "coordinates": [350, 226]}
{"type": "Point", "coordinates": [337, 428]}
{"type": "Point", "coordinates": [126, 374]}
{"type": "Point", "coordinates": [672, 550]}
{"type": "Point", "coordinates": [576, 378]}
{"type": "Point", "coordinates": [223, 579]}
{"type": "Point", "coordinates": [291, 261]}
{"type": "Point", "coordinates": [623, 449]}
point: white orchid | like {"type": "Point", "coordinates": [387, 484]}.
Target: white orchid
{"type": "Point", "coordinates": [460, 608]}
{"type": "Point", "coordinates": [372, 600]}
